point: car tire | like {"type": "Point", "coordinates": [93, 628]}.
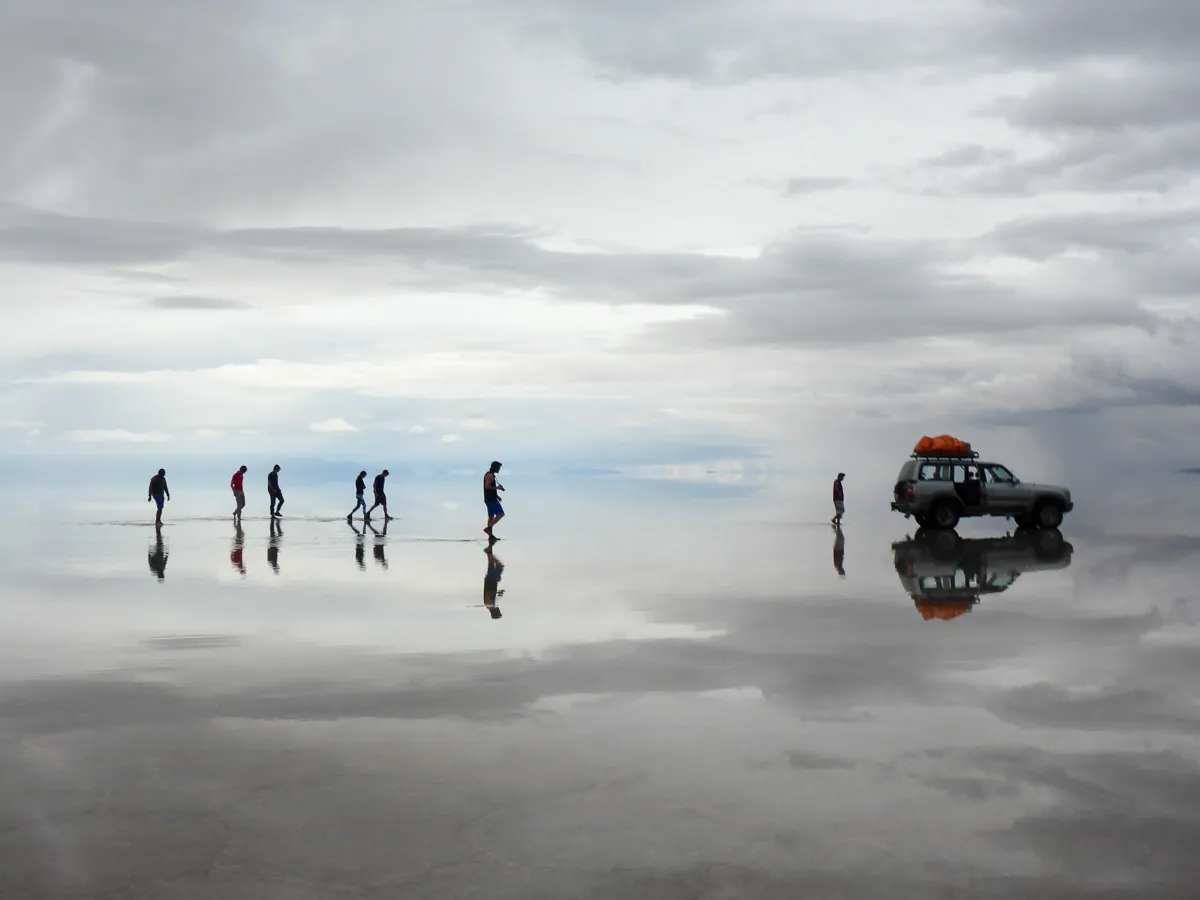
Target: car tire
{"type": "Point", "coordinates": [1024, 521]}
{"type": "Point", "coordinates": [1048, 514]}
{"type": "Point", "coordinates": [944, 516]}
{"type": "Point", "coordinates": [923, 521]}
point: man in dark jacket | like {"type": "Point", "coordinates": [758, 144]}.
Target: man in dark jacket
{"type": "Point", "coordinates": [275, 492]}
{"type": "Point", "coordinates": [159, 493]}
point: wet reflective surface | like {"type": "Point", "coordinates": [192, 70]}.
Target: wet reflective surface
{"type": "Point", "coordinates": [705, 701]}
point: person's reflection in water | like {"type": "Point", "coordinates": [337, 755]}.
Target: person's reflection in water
{"type": "Point", "coordinates": [380, 543]}
{"type": "Point", "coordinates": [157, 557]}
{"type": "Point", "coordinates": [491, 582]}
{"type": "Point", "coordinates": [273, 546]}
{"type": "Point", "coordinates": [839, 551]}
{"type": "Point", "coordinates": [239, 544]}
{"type": "Point", "coordinates": [360, 547]}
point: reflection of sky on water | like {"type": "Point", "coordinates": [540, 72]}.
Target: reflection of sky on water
{"type": "Point", "coordinates": [667, 684]}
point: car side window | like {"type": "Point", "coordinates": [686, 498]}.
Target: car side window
{"type": "Point", "coordinates": [931, 472]}
{"type": "Point", "coordinates": [960, 473]}
{"type": "Point", "coordinates": [1000, 475]}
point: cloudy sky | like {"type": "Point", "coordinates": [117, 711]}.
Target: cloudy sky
{"type": "Point", "coordinates": [552, 227]}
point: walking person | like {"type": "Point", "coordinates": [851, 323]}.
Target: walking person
{"type": "Point", "coordinates": [239, 492]}
{"type": "Point", "coordinates": [275, 493]}
{"type": "Point", "coordinates": [490, 497]}
{"type": "Point", "coordinates": [360, 488]}
{"type": "Point", "coordinates": [839, 500]}
{"type": "Point", "coordinates": [159, 493]}
{"type": "Point", "coordinates": [380, 496]}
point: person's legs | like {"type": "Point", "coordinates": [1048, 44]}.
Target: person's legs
{"type": "Point", "coordinates": [279, 503]}
{"type": "Point", "coordinates": [495, 514]}
{"type": "Point", "coordinates": [240, 497]}
{"type": "Point", "coordinates": [378, 501]}
{"type": "Point", "coordinates": [359, 504]}
{"type": "Point", "coordinates": [383, 502]}
{"type": "Point", "coordinates": [158, 502]}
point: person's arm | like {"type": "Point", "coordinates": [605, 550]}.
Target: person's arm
{"type": "Point", "coordinates": [150, 491]}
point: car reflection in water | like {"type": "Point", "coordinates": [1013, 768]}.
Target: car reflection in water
{"type": "Point", "coordinates": [946, 575]}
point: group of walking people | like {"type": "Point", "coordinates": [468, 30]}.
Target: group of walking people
{"type": "Point", "coordinates": [159, 494]}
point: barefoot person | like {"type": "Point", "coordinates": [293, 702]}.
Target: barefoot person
{"type": "Point", "coordinates": [380, 496]}
{"type": "Point", "coordinates": [239, 492]}
{"type": "Point", "coordinates": [159, 493]}
{"type": "Point", "coordinates": [490, 497]}
{"type": "Point", "coordinates": [360, 488]}
{"type": "Point", "coordinates": [839, 500]}
{"type": "Point", "coordinates": [275, 493]}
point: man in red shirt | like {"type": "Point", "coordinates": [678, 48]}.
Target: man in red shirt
{"type": "Point", "coordinates": [839, 500]}
{"type": "Point", "coordinates": [239, 495]}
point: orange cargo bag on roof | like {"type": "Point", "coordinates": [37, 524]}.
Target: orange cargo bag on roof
{"type": "Point", "coordinates": [942, 445]}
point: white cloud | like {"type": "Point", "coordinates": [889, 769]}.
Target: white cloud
{"type": "Point", "coordinates": [332, 426]}
{"type": "Point", "coordinates": [209, 434]}
{"type": "Point", "coordinates": [449, 439]}
{"type": "Point", "coordinates": [115, 436]}
{"type": "Point", "coordinates": [417, 429]}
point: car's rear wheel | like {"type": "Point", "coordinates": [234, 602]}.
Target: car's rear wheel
{"type": "Point", "coordinates": [1048, 514]}
{"type": "Point", "coordinates": [944, 515]}
{"type": "Point", "coordinates": [1024, 521]}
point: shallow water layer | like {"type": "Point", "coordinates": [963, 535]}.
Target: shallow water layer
{"type": "Point", "coordinates": [702, 701]}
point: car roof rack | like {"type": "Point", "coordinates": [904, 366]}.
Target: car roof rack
{"type": "Point", "coordinates": [942, 457]}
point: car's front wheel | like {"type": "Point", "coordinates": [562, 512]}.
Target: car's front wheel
{"type": "Point", "coordinates": [944, 515]}
{"type": "Point", "coordinates": [923, 521]}
{"type": "Point", "coordinates": [1048, 514]}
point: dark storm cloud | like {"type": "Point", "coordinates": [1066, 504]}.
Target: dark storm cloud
{"type": "Point", "coordinates": [197, 303]}
{"type": "Point", "coordinates": [809, 287]}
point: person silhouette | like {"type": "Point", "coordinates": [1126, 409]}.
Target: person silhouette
{"type": "Point", "coordinates": [275, 493]}
{"type": "Point", "coordinates": [239, 544]}
{"type": "Point", "coordinates": [157, 557]}
{"type": "Point", "coordinates": [273, 545]}
{"type": "Point", "coordinates": [491, 582]}
{"type": "Point", "coordinates": [378, 486]}
{"type": "Point", "coordinates": [360, 547]}
{"type": "Point", "coordinates": [839, 550]}
{"type": "Point", "coordinates": [238, 486]}
{"type": "Point", "coordinates": [360, 489]}
{"type": "Point", "coordinates": [159, 493]}
{"type": "Point", "coordinates": [380, 543]}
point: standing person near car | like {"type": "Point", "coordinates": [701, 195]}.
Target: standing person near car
{"type": "Point", "coordinates": [360, 488]}
{"type": "Point", "coordinates": [159, 493]}
{"type": "Point", "coordinates": [491, 498]}
{"type": "Point", "coordinates": [839, 500]}
{"type": "Point", "coordinates": [275, 493]}
{"type": "Point", "coordinates": [380, 496]}
{"type": "Point", "coordinates": [239, 492]}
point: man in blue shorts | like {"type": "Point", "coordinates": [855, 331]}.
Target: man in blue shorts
{"type": "Point", "coordinates": [159, 493]}
{"type": "Point", "coordinates": [490, 496]}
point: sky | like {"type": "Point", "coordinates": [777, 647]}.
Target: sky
{"type": "Point", "coordinates": [706, 239]}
